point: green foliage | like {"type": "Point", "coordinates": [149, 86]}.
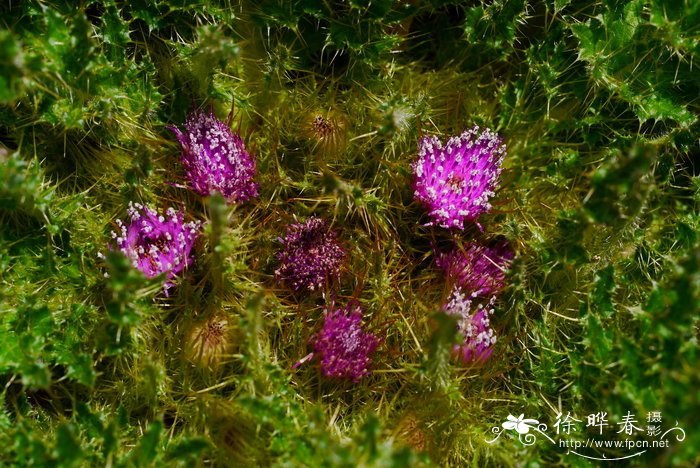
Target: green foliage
{"type": "Point", "coordinates": [598, 103]}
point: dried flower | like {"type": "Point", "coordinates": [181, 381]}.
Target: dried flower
{"type": "Point", "coordinates": [411, 431]}
{"type": "Point", "coordinates": [311, 255]}
{"type": "Point", "coordinates": [476, 268]}
{"type": "Point", "coordinates": [327, 130]}
{"type": "Point", "coordinates": [155, 244]}
{"type": "Point", "coordinates": [455, 182]}
{"type": "Point", "coordinates": [343, 348]}
{"type": "Point", "coordinates": [475, 329]}
{"type": "Point", "coordinates": [215, 159]}
{"type": "Point", "coordinates": [208, 343]}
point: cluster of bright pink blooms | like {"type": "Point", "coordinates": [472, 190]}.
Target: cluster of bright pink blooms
{"type": "Point", "coordinates": [476, 274]}
{"type": "Point", "coordinates": [215, 161]}
{"type": "Point", "coordinates": [455, 182]}
{"type": "Point", "coordinates": [310, 259]}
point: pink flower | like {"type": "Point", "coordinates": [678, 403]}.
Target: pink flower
{"type": "Point", "coordinates": [215, 159]}
{"type": "Point", "coordinates": [342, 346]}
{"type": "Point", "coordinates": [476, 268]}
{"type": "Point", "coordinates": [156, 244]}
{"type": "Point", "coordinates": [474, 325]}
{"type": "Point", "coordinates": [456, 181]}
{"type": "Point", "coordinates": [310, 257]}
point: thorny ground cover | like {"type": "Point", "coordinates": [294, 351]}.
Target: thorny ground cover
{"type": "Point", "coordinates": [597, 103]}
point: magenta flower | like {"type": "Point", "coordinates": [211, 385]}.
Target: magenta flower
{"type": "Point", "coordinates": [476, 268]}
{"type": "Point", "coordinates": [455, 182]}
{"type": "Point", "coordinates": [155, 244]}
{"type": "Point", "coordinates": [474, 327]}
{"type": "Point", "coordinates": [215, 159]}
{"type": "Point", "coordinates": [310, 257]}
{"type": "Point", "coordinates": [343, 348]}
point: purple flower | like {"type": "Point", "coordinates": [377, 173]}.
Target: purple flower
{"type": "Point", "coordinates": [474, 327]}
{"type": "Point", "coordinates": [155, 244]}
{"type": "Point", "coordinates": [476, 268]}
{"type": "Point", "coordinates": [343, 348]}
{"type": "Point", "coordinates": [455, 182]}
{"type": "Point", "coordinates": [311, 255]}
{"type": "Point", "coordinates": [215, 159]}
